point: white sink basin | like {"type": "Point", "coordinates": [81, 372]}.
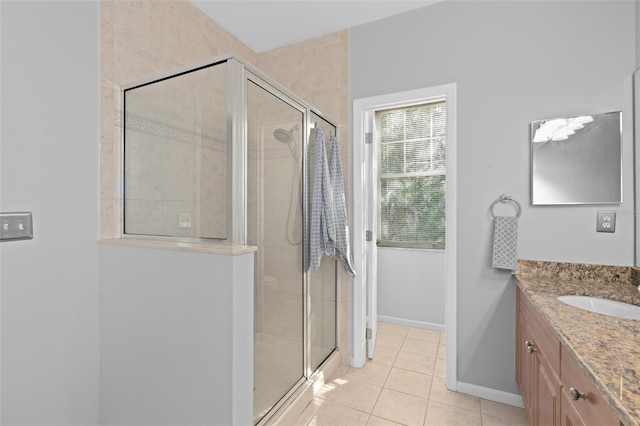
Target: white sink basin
{"type": "Point", "coordinates": [603, 306]}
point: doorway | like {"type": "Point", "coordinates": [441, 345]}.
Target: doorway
{"type": "Point", "coordinates": [364, 168]}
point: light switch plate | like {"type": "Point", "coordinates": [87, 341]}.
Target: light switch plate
{"type": "Point", "coordinates": [606, 221]}
{"type": "Point", "coordinates": [16, 226]}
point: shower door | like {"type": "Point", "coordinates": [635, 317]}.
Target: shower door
{"type": "Point", "coordinates": [322, 283]}
{"type": "Point", "coordinates": [274, 224]}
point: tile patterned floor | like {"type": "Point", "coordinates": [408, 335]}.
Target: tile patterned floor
{"type": "Point", "coordinates": [403, 385]}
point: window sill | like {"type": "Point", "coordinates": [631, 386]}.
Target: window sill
{"type": "Point", "coordinates": [435, 250]}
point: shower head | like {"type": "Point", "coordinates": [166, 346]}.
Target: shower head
{"type": "Point", "coordinates": [283, 135]}
{"type": "Point", "coordinates": [286, 136]}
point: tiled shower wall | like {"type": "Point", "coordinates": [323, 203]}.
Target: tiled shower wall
{"type": "Point", "coordinates": [140, 40]}
{"type": "Point", "coordinates": [176, 151]}
{"type": "Point", "coordinates": [143, 39]}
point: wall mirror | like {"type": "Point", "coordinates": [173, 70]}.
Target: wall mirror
{"type": "Point", "coordinates": [577, 160]}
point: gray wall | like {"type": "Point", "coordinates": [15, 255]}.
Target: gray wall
{"type": "Point", "coordinates": [49, 130]}
{"type": "Point", "coordinates": [637, 34]}
{"type": "Point", "coordinates": [513, 62]}
{"type": "Point", "coordinates": [176, 337]}
{"type": "Point", "coordinates": [411, 287]}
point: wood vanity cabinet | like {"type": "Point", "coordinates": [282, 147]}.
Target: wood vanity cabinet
{"type": "Point", "coordinates": [570, 416]}
{"type": "Point", "coordinates": [580, 395]}
{"type": "Point", "coordinates": [554, 389]}
{"type": "Point", "coordinates": [537, 365]}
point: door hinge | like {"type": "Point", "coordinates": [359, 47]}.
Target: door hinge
{"type": "Point", "coordinates": [368, 235]}
{"type": "Point", "coordinates": [368, 137]}
{"type": "Point", "coordinates": [369, 333]}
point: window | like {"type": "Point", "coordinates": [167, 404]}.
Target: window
{"type": "Point", "coordinates": [411, 176]}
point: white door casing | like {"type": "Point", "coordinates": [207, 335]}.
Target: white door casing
{"type": "Point", "coordinates": [370, 187]}
{"type": "Point", "coordinates": [363, 217]}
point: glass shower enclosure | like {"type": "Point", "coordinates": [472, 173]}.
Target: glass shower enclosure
{"type": "Point", "coordinates": [219, 152]}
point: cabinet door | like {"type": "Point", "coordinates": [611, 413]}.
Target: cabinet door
{"type": "Point", "coordinates": [568, 413]}
{"type": "Point", "coordinates": [524, 363]}
{"type": "Point", "coordinates": [546, 402]}
{"type": "Point", "coordinates": [592, 407]}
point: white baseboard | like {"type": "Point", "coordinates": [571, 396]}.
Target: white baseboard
{"type": "Point", "coordinates": [490, 394]}
{"type": "Point", "coordinates": [411, 323]}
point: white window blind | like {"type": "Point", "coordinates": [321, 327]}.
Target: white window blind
{"type": "Point", "coordinates": [412, 175]}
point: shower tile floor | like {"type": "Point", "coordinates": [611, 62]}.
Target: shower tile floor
{"type": "Point", "coordinates": [403, 385]}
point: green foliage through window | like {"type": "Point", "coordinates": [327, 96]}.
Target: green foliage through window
{"type": "Point", "coordinates": [412, 176]}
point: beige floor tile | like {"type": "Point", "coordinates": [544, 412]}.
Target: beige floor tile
{"type": "Point", "coordinates": [409, 382]}
{"type": "Point", "coordinates": [423, 334]}
{"type": "Point", "coordinates": [373, 373]}
{"type": "Point", "coordinates": [439, 393]}
{"type": "Point", "coordinates": [379, 421]}
{"type": "Point", "coordinates": [415, 362]}
{"type": "Point", "coordinates": [400, 407]}
{"type": "Point", "coordinates": [391, 341]}
{"type": "Point", "coordinates": [334, 414]}
{"type": "Point", "coordinates": [440, 368]}
{"type": "Point", "coordinates": [423, 347]}
{"type": "Point", "coordinates": [387, 327]}
{"type": "Point", "coordinates": [340, 371]}
{"type": "Point", "coordinates": [308, 413]}
{"type": "Point", "coordinates": [503, 411]}
{"type": "Point", "coordinates": [354, 394]}
{"type": "Point", "coordinates": [442, 351]}
{"type": "Point", "coordinates": [488, 420]}
{"type": "Point", "coordinates": [384, 355]}
{"type": "Point", "coordinates": [414, 389]}
{"type": "Point", "coordinates": [439, 414]}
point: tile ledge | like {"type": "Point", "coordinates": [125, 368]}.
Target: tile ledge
{"type": "Point", "coordinates": [199, 247]}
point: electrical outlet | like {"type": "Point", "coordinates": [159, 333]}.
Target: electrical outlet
{"type": "Point", "coordinates": [184, 220]}
{"type": "Point", "coordinates": [16, 226]}
{"type": "Point", "coordinates": [606, 221]}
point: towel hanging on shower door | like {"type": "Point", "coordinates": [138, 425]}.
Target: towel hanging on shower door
{"type": "Point", "coordinates": [329, 228]}
{"type": "Point", "coordinates": [339, 248]}
{"type": "Point", "coordinates": [322, 220]}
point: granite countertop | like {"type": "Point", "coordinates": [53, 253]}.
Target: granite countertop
{"type": "Point", "coordinates": [607, 348]}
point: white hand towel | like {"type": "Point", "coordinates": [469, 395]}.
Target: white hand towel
{"type": "Point", "coordinates": [505, 243]}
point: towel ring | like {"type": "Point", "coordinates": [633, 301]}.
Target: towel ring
{"type": "Point", "coordinates": [506, 199]}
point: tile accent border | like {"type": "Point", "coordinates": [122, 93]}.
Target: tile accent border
{"type": "Point", "coordinates": [154, 128]}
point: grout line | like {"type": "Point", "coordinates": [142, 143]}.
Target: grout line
{"type": "Point", "coordinates": [426, 411]}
